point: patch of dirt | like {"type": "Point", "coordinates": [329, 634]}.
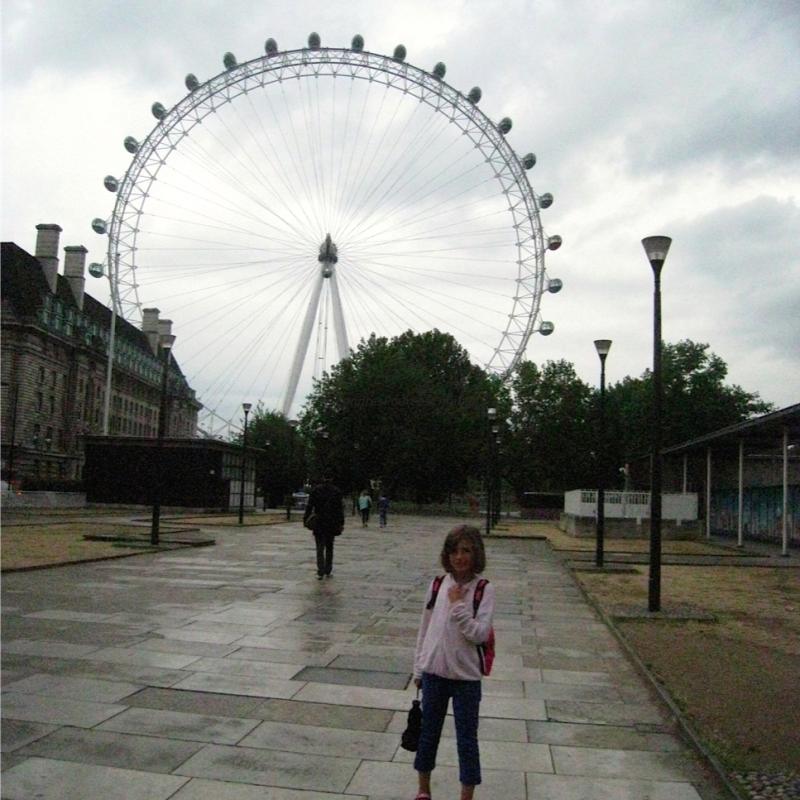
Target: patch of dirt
{"type": "Point", "coordinates": [736, 679]}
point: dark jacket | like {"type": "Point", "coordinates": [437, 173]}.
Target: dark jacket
{"type": "Point", "coordinates": [325, 501]}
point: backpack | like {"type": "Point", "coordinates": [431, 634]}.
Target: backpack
{"type": "Point", "coordinates": [486, 650]}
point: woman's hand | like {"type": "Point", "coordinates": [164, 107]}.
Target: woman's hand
{"type": "Point", "coordinates": [418, 682]}
{"type": "Point", "coordinates": [456, 593]}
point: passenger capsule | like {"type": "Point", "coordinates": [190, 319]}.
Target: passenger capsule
{"type": "Point", "coordinates": [159, 112]}
{"type": "Point", "coordinates": [475, 95]}
{"type": "Point", "coordinates": [399, 53]}
{"type": "Point", "coordinates": [357, 45]}
{"type": "Point", "coordinates": [314, 41]}
{"type": "Point", "coordinates": [546, 328]}
{"type": "Point", "coordinates": [555, 285]}
{"type": "Point", "coordinates": [553, 242]}
{"type": "Point", "coordinates": [229, 60]}
{"type": "Point", "coordinates": [270, 47]}
{"type": "Point", "coordinates": [98, 225]}
{"type": "Point", "coordinates": [504, 126]}
{"type": "Point", "coordinates": [96, 270]}
{"type": "Point", "coordinates": [545, 200]}
{"type": "Point", "coordinates": [529, 161]}
{"type": "Point", "coordinates": [131, 145]}
{"type": "Point", "coordinates": [111, 183]}
{"type": "Point", "coordinates": [191, 82]}
{"type": "Point", "coordinates": [439, 70]}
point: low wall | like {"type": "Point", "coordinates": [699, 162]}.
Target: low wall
{"type": "Point", "coordinates": [584, 527]}
{"type": "Point", "coordinates": [12, 499]}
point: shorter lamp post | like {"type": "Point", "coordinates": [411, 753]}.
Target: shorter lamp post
{"type": "Point", "coordinates": [656, 248]}
{"type": "Point", "coordinates": [165, 343]}
{"type": "Point", "coordinates": [602, 346]}
{"type": "Point", "coordinates": [289, 473]}
{"type": "Point", "coordinates": [491, 414]}
{"type": "Point", "coordinates": [246, 408]}
{"type": "Point", "coordinates": [495, 474]}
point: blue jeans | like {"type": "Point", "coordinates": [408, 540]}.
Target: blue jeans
{"type": "Point", "coordinates": [466, 695]}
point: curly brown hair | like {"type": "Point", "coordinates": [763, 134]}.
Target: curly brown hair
{"type": "Point", "coordinates": [471, 535]}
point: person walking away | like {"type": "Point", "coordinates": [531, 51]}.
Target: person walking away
{"type": "Point", "coordinates": [447, 664]}
{"type": "Point", "coordinates": [364, 505]}
{"type": "Point", "coordinates": [383, 509]}
{"type": "Point", "coordinates": [325, 503]}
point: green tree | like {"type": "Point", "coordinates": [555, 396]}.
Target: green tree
{"type": "Point", "coordinates": [551, 446]}
{"type": "Point", "coordinates": [696, 401]}
{"type": "Point", "coordinates": [281, 467]}
{"type": "Point", "coordinates": [409, 411]}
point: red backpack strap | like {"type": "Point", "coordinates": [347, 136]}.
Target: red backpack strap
{"type": "Point", "coordinates": [478, 595]}
{"type": "Point", "coordinates": [437, 584]}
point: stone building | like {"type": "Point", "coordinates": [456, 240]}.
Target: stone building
{"type": "Point", "coordinates": [54, 360]}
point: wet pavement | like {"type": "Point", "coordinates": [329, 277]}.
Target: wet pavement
{"type": "Point", "coordinates": [231, 673]}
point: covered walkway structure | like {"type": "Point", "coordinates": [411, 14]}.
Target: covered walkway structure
{"type": "Point", "coordinates": [750, 475]}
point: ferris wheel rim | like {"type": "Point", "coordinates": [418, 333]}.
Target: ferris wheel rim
{"type": "Point", "coordinates": [175, 123]}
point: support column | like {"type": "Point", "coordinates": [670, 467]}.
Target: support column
{"type": "Point", "coordinates": [740, 513]}
{"type": "Point", "coordinates": [708, 493]}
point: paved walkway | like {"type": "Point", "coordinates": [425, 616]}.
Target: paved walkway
{"type": "Point", "coordinates": [231, 673]}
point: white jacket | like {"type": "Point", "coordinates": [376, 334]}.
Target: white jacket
{"type": "Point", "coordinates": [448, 634]}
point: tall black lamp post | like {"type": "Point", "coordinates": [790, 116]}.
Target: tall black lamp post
{"type": "Point", "coordinates": [165, 343]}
{"type": "Point", "coordinates": [246, 408]}
{"type": "Point", "coordinates": [602, 346]}
{"type": "Point", "coordinates": [656, 248]}
{"type": "Point", "coordinates": [491, 414]}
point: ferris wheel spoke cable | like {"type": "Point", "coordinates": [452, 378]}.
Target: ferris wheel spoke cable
{"type": "Point", "coordinates": [378, 149]}
{"type": "Point", "coordinates": [407, 155]}
{"type": "Point", "coordinates": [416, 198]}
{"type": "Point", "coordinates": [404, 177]}
{"type": "Point", "coordinates": [354, 189]}
{"type": "Point", "coordinates": [309, 145]}
{"type": "Point", "coordinates": [254, 196]}
{"type": "Point", "coordinates": [447, 298]}
{"type": "Point", "coordinates": [233, 331]}
{"type": "Point", "coordinates": [300, 161]}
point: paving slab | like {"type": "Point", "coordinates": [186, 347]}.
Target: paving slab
{"type": "Point", "coordinates": [565, 787]}
{"type": "Point", "coordinates": [56, 710]}
{"type": "Point", "coordinates": [181, 725]}
{"type": "Point", "coordinates": [18, 732]}
{"type": "Point", "coordinates": [211, 703]}
{"type": "Point", "coordinates": [610, 736]}
{"type": "Point", "coordinates": [355, 677]}
{"type": "Point", "coordinates": [200, 789]}
{"type": "Point", "coordinates": [288, 770]}
{"type": "Point", "coordinates": [355, 718]}
{"type": "Point", "coordinates": [73, 688]}
{"type": "Point", "coordinates": [48, 779]}
{"type": "Point", "coordinates": [145, 753]}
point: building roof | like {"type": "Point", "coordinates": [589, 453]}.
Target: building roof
{"type": "Point", "coordinates": [764, 433]}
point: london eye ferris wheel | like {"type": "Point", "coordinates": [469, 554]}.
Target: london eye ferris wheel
{"type": "Point", "coordinates": [297, 202]}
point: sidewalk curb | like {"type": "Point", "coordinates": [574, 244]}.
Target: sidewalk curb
{"type": "Point", "coordinates": [688, 733]}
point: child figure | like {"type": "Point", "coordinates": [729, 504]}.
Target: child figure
{"type": "Point", "coordinates": [383, 509]}
{"type": "Point", "coordinates": [446, 661]}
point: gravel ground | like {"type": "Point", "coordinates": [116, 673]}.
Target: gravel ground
{"type": "Point", "coordinates": [769, 786]}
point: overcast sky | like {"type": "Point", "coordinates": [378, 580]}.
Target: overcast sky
{"type": "Point", "coordinates": [649, 117]}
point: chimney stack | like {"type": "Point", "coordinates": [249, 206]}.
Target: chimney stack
{"type": "Point", "coordinates": [47, 252]}
{"type": "Point", "coordinates": [150, 326]}
{"type": "Point", "coordinates": [74, 263]}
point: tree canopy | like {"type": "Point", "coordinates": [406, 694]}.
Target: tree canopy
{"type": "Point", "coordinates": [409, 411]}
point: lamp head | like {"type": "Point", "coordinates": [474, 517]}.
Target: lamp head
{"type": "Point", "coordinates": [656, 248]}
{"type": "Point", "coordinates": [246, 407]}
{"type": "Point", "coordinates": [491, 413]}
{"type": "Point", "coordinates": [602, 346]}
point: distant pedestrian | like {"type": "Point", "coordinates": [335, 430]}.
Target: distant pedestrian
{"type": "Point", "coordinates": [364, 505]}
{"type": "Point", "coordinates": [383, 509]}
{"type": "Point", "coordinates": [447, 663]}
{"type": "Point", "coordinates": [325, 506]}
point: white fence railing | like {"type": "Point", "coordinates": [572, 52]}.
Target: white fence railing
{"type": "Point", "coordinates": [630, 505]}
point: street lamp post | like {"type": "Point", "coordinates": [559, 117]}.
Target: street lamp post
{"type": "Point", "coordinates": [495, 475]}
{"type": "Point", "coordinates": [602, 346]}
{"type": "Point", "coordinates": [491, 414]}
{"type": "Point", "coordinates": [165, 343]}
{"type": "Point", "coordinates": [290, 497]}
{"type": "Point", "coordinates": [656, 248]}
{"type": "Point", "coordinates": [246, 408]}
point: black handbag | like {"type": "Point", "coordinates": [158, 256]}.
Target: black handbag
{"type": "Point", "coordinates": [410, 737]}
{"type": "Point", "coordinates": [309, 521]}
